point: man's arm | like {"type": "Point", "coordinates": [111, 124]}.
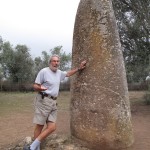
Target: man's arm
{"type": "Point", "coordinates": [39, 87]}
{"type": "Point", "coordinates": [73, 71]}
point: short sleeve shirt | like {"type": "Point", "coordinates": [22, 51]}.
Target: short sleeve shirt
{"type": "Point", "coordinates": [51, 80]}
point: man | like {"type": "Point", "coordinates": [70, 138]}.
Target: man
{"type": "Point", "coordinates": [47, 85]}
{"type": "Point", "coordinates": [148, 81]}
{"type": "Point", "coordinates": [148, 78]}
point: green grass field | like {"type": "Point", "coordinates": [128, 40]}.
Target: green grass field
{"type": "Point", "coordinates": [11, 102]}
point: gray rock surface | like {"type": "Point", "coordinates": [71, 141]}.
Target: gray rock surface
{"type": "Point", "coordinates": [53, 142]}
{"type": "Point", "coordinates": [100, 108]}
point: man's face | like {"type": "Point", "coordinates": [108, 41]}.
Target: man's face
{"type": "Point", "coordinates": [54, 63]}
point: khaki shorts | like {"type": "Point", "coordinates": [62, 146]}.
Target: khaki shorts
{"type": "Point", "coordinates": [45, 110]}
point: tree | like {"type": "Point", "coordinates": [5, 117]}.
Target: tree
{"type": "Point", "coordinates": [23, 65]}
{"type": "Point", "coordinates": [40, 62]}
{"type": "Point", "coordinates": [45, 57]}
{"type": "Point", "coordinates": [17, 63]}
{"type": "Point", "coordinates": [6, 58]}
{"type": "Point", "coordinates": [1, 70]}
{"type": "Point", "coordinates": [37, 65]}
{"type": "Point", "coordinates": [134, 30]}
{"type": "Point", "coordinates": [1, 43]}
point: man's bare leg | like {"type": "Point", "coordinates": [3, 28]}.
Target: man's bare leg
{"type": "Point", "coordinates": [41, 135]}
{"type": "Point", "coordinates": [38, 130]}
{"type": "Point", "coordinates": [51, 127]}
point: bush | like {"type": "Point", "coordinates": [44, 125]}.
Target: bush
{"type": "Point", "coordinates": [10, 87]}
{"type": "Point", "coordinates": [137, 86]}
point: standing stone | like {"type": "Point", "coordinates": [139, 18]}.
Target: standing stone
{"type": "Point", "coordinates": [100, 108]}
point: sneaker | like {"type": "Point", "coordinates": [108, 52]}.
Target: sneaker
{"type": "Point", "coordinates": [26, 147]}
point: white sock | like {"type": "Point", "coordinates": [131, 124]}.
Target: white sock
{"type": "Point", "coordinates": [38, 148]}
{"type": "Point", "coordinates": [35, 145]}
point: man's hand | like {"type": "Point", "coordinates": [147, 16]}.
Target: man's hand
{"type": "Point", "coordinates": [43, 88]}
{"type": "Point", "coordinates": [39, 87]}
{"type": "Point", "coordinates": [73, 71]}
{"type": "Point", "coordinates": [82, 65]}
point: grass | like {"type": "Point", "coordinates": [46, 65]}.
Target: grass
{"type": "Point", "coordinates": [137, 97]}
{"type": "Point", "coordinates": [147, 98]}
{"type": "Point", "coordinates": [64, 101]}
{"type": "Point", "coordinates": [12, 102]}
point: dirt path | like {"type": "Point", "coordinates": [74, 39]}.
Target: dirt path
{"type": "Point", "coordinates": [15, 129]}
{"type": "Point", "coordinates": [141, 127]}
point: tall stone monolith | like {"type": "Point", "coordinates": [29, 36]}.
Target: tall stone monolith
{"type": "Point", "coordinates": [100, 108]}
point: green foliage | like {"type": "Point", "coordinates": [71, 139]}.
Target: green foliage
{"type": "Point", "coordinates": [16, 63]}
{"type": "Point", "coordinates": [45, 58]}
{"type": "Point", "coordinates": [134, 29]}
{"type": "Point", "coordinates": [40, 62]}
{"type": "Point", "coordinates": [7, 58]}
{"type": "Point", "coordinates": [37, 65]}
{"type": "Point", "coordinates": [1, 43]}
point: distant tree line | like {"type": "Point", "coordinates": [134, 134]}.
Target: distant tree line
{"type": "Point", "coordinates": [18, 69]}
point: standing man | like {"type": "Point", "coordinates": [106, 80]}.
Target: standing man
{"type": "Point", "coordinates": [47, 85]}
{"type": "Point", "coordinates": [148, 81]}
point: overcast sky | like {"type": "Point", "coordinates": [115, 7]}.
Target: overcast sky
{"type": "Point", "coordinates": [39, 24]}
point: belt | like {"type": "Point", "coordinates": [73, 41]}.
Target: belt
{"type": "Point", "coordinates": [46, 95]}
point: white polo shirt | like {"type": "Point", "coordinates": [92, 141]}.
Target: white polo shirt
{"type": "Point", "coordinates": [51, 80]}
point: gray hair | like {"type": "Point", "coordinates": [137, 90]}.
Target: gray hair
{"type": "Point", "coordinates": [54, 55]}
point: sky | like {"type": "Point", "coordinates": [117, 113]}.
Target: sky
{"type": "Point", "coordinates": [41, 25]}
